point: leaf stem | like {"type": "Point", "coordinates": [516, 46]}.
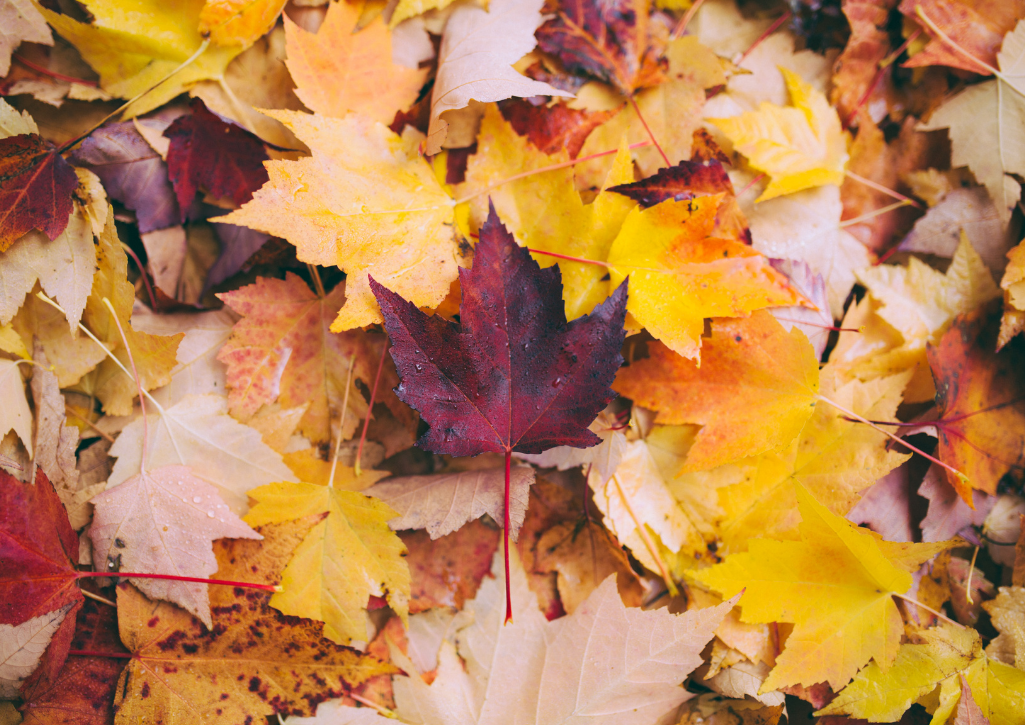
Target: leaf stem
{"type": "Point", "coordinates": [768, 31]}
{"type": "Point", "coordinates": [917, 603]}
{"type": "Point", "coordinates": [949, 41]}
{"type": "Point", "coordinates": [543, 169]}
{"type": "Point", "coordinates": [98, 598]}
{"type": "Point", "coordinates": [176, 578]}
{"type": "Point", "coordinates": [370, 407]}
{"type": "Point", "coordinates": [749, 184]}
{"type": "Point", "coordinates": [637, 110]}
{"type": "Point", "coordinates": [506, 519]}
{"type": "Point", "coordinates": [142, 273]}
{"type": "Point", "coordinates": [315, 276]}
{"type": "Point", "coordinates": [886, 190]}
{"type": "Point", "coordinates": [642, 531]}
{"type": "Point", "coordinates": [52, 74]}
{"type": "Point", "coordinates": [341, 422]}
{"type": "Point", "coordinates": [968, 582]}
{"type": "Point", "coordinates": [685, 20]}
{"type": "Point", "coordinates": [567, 257]}
{"type": "Point", "coordinates": [138, 385]}
{"type": "Point", "coordinates": [818, 324]}
{"type": "Point", "coordinates": [94, 653]}
{"type": "Point", "coordinates": [888, 434]}
{"type": "Point", "coordinates": [873, 214]}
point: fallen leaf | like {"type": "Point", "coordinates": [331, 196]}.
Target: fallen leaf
{"type": "Point", "coordinates": [338, 69]}
{"type": "Point", "coordinates": [937, 661]}
{"type": "Point", "coordinates": [800, 147]}
{"type": "Point", "coordinates": [205, 152]}
{"type": "Point", "coordinates": [971, 210]}
{"type": "Point", "coordinates": [444, 502]}
{"type": "Point", "coordinates": [968, 713]}
{"type": "Point", "coordinates": [164, 521]}
{"type": "Point", "coordinates": [255, 662]}
{"type": "Point", "coordinates": [753, 392]}
{"type": "Point", "coordinates": [1006, 611]}
{"type": "Point", "coordinates": [977, 27]}
{"type": "Point", "coordinates": [608, 41]}
{"type": "Point", "coordinates": [835, 585]}
{"type": "Point", "coordinates": [16, 415]}
{"type": "Point", "coordinates": [549, 671]}
{"type": "Point", "coordinates": [197, 432]}
{"type": "Point", "coordinates": [23, 646]}
{"type": "Point", "coordinates": [21, 23]}
{"type": "Point", "coordinates": [282, 349]}
{"type": "Point", "coordinates": [983, 129]}
{"type": "Point", "coordinates": [553, 128]}
{"type": "Point", "coordinates": [948, 513]}
{"type": "Point", "coordinates": [980, 398]}
{"type": "Point", "coordinates": [815, 324]}
{"type": "Point", "coordinates": [447, 571]}
{"type": "Point", "coordinates": [328, 221]}
{"type": "Point", "coordinates": [604, 457]}
{"type": "Point", "coordinates": [854, 79]}
{"type": "Point", "coordinates": [885, 507]}
{"type": "Point", "coordinates": [36, 184]}
{"type": "Point", "coordinates": [238, 22]}
{"type": "Point", "coordinates": [679, 275]}
{"type": "Point", "coordinates": [475, 60]}
{"type": "Point", "coordinates": [71, 358]}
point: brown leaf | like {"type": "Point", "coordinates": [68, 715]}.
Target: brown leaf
{"type": "Point", "coordinates": [445, 572]}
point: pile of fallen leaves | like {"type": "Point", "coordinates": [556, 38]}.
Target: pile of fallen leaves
{"type": "Point", "coordinates": [451, 361]}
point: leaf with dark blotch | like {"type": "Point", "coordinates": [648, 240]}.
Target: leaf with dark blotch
{"type": "Point", "coordinates": [553, 128]}
{"type": "Point", "coordinates": [83, 691]}
{"type": "Point", "coordinates": [38, 555]}
{"type": "Point", "coordinates": [220, 157]}
{"type": "Point", "coordinates": [132, 173]}
{"type": "Point", "coordinates": [514, 376]}
{"type": "Point", "coordinates": [980, 395]}
{"type": "Point", "coordinates": [605, 39]}
{"type": "Point", "coordinates": [36, 184]}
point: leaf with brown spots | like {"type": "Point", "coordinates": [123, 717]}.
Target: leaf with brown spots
{"type": "Point", "coordinates": [446, 571]}
{"type": "Point", "coordinates": [254, 662]}
{"type": "Point", "coordinates": [35, 188]}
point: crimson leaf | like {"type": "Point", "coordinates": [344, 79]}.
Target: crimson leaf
{"type": "Point", "coordinates": [206, 152]}
{"type": "Point", "coordinates": [36, 184]}
{"type": "Point", "coordinates": [513, 375]}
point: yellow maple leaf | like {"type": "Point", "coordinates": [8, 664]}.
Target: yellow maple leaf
{"type": "Point", "coordinates": [338, 69]}
{"type": "Point", "coordinates": [835, 586]}
{"type": "Point", "coordinates": [365, 201]}
{"type": "Point", "coordinates": [154, 356]}
{"type": "Point", "coordinates": [1013, 285]}
{"type": "Point", "coordinates": [135, 46]}
{"type": "Point", "coordinates": [679, 275]}
{"type": "Point", "coordinates": [929, 671]}
{"type": "Point", "coordinates": [238, 22]}
{"type": "Point", "coordinates": [753, 391]}
{"type": "Point", "coordinates": [834, 457]}
{"type": "Point", "coordinates": [343, 560]}
{"type": "Point", "coordinates": [800, 147]}
{"type": "Point", "coordinates": [411, 8]}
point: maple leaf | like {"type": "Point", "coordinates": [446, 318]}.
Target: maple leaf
{"type": "Point", "coordinates": [344, 560]}
{"type": "Point", "coordinates": [206, 152]}
{"type": "Point", "coordinates": [800, 147]}
{"type": "Point", "coordinates": [948, 513]}
{"type": "Point", "coordinates": [552, 128]}
{"type": "Point", "coordinates": [609, 41]}
{"type": "Point", "coordinates": [238, 22]}
{"type": "Point", "coordinates": [984, 129]}
{"type": "Point", "coordinates": [1005, 611]}
{"type": "Point", "coordinates": [604, 457]}
{"type": "Point", "coordinates": [444, 502]}
{"type": "Point", "coordinates": [83, 691]}
{"type": "Point", "coordinates": [858, 63]}
{"type": "Point", "coordinates": [815, 324]}
{"type": "Point", "coordinates": [153, 357]}
{"type": "Point", "coordinates": [754, 390]}
{"type": "Point", "coordinates": [282, 350]}
{"type": "Point", "coordinates": [978, 28]}
{"type": "Point", "coordinates": [833, 457]}
{"type": "Point", "coordinates": [255, 662]}
{"type": "Point", "coordinates": [936, 662]}
{"type": "Point", "coordinates": [132, 52]}
{"type": "Point", "coordinates": [38, 555]}
{"type": "Point", "coordinates": [163, 521]}
{"type": "Point", "coordinates": [1013, 321]}
{"type": "Point", "coordinates": [35, 188]}
{"type": "Point", "coordinates": [197, 432]}
{"type": "Point", "coordinates": [398, 225]}
{"type": "Point", "coordinates": [548, 672]}
{"type": "Point", "coordinates": [21, 23]}
{"type": "Point", "coordinates": [939, 231]}
{"type": "Point", "coordinates": [338, 70]}
{"type": "Point", "coordinates": [132, 173]}
{"type": "Point", "coordinates": [447, 571]}
{"type": "Point", "coordinates": [475, 60]}
{"type": "Point", "coordinates": [679, 275]}
{"type": "Point", "coordinates": [63, 266]}
{"type": "Point", "coordinates": [835, 585]}
{"type": "Point", "coordinates": [23, 646]}
{"type": "Point", "coordinates": [980, 396]}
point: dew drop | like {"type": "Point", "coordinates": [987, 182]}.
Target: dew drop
{"type": "Point", "coordinates": [196, 499]}
{"type": "Point", "coordinates": [557, 382]}
{"type": "Point", "coordinates": [419, 367]}
{"type": "Point", "coordinates": [210, 514]}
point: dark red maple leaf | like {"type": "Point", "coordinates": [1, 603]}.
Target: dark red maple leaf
{"type": "Point", "coordinates": [687, 180]}
{"type": "Point", "coordinates": [605, 39]}
{"type": "Point", "coordinates": [513, 375]}
{"type": "Point", "coordinates": [555, 127]}
{"type": "Point", "coordinates": [83, 691]}
{"type": "Point", "coordinates": [36, 184]}
{"type": "Point", "coordinates": [38, 554]}
{"type": "Point", "coordinates": [220, 157]}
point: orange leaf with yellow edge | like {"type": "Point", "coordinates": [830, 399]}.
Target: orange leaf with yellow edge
{"type": "Point", "coordinates": [753, 391]}
{"type": "Point", "coordinates": [254, 662]}
{"type": "Point", "coordinates": [800, 146]}
{"type": "Point", "coordinates": [836, 587]}
{"type": "Point", "coordinates": [365, 201]}
{"type": "Point", "coordinates": [679, 275]}
{"type": "Point", "coordinates": [282, 349]}
{"type": "Point", "coordinates": [337, 70]}
{"type": "Point", "coordinates": [345, 559]}
{"type": "Point", "coordinates": [238, 22]}
{"type": "Point", "coordinates": [980, 394]}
